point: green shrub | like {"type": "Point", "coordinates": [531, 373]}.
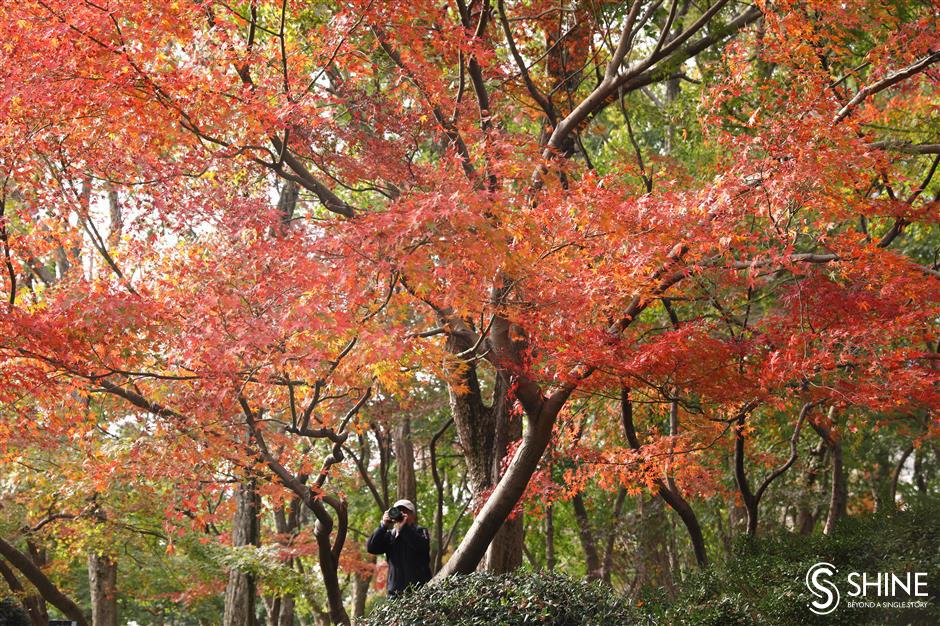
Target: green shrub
{"type": "Point", "coordinates": [763, 581]}
{"type": "Point", "coordinates": [12, 614]}
{"type": "Point", "coordinates": [519, 598]}
{"type": "Point", "coordinates": [760, 584]}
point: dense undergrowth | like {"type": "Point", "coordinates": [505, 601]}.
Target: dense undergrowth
{"type": "Point", "coordinates": [761, 583]}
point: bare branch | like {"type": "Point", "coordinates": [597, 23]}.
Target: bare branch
{"type": "Point", "coordinates": [888, 81]}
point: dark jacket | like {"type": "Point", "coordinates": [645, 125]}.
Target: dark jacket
{"type": "Point", "coordinates": [408, 554]}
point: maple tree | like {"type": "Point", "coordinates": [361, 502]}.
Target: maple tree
{"type": "Point", "coordinates": [631, 240]}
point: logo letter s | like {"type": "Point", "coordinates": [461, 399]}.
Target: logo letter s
{"type": "Point", "coordinates": [825, 591]}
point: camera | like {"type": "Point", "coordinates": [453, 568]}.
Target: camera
{"type": "Point", "coordinates": [396, 514]}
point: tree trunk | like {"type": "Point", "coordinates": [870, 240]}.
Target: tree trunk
{"type": "Point", "coordinates": [898, 468]}
{"type": "Point", "coordinates": [286, 205]}
{"type": "Point", "coordinates": [505, 551]}
{"type": "Point", "coordinates": [838, 494]}
{"type": "Point", "coordinates": [280, 611]}
{"type": "Point", "coordinates": [35, 606]}
{"type": "Point", "coordinates": [240, 590]}
{"type": "Point", "coordinates": [681, 506]}
{"type": "Point", "coordinates": [329, 560]}
{"type": "Point", "coordinates": [507, 492]}
{"type": "Point", "coordinates": [405, 456]}
{"type": "Point", "coordinates": [740, 478]}
{"type": "Point", "coordinates": [612, 532]}
{"type": "Point", "coordinates": [751, 498]}
{"type": "Point", "coordinates": [273, 605]}
{"type": "Point", "coordinates": [328, 550]}
{"type": "Point", "coordinates": [920, 479]}
{"type": "Point", "coordinates": [881, 478]}
{"type": "Point", "coordinates": [654, 567]}
{"type": "Point", "coordinates": [102, 582]}
{"type": "Point", "coordinates": [808, 509]}
{"type": "Point", "coordinates": [668, 492]}
{"type": "Point", "coordinates": [437, 545]}
{"type": "Point", "coordinates": [50, 593]}
{"type": "Point", "coordinates": [286, 614]}
{"type": "Point", "coordinates": [838, 497]}
{"type": "Point", "coordinates": [485, 433]}
{"type": "Point", "coordinates": [592, 561]}
{"type": "Point", "coordinates": [360, 595]}
{"type": "Point", "coordinates": [549, 539]}
{"type": "Point", "coordinates": [117, 216]}
{"type": "Point", "coordinates": [281, 608]}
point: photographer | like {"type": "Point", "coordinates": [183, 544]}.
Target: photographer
{"type": "Point", "coordinates": [406, 545]}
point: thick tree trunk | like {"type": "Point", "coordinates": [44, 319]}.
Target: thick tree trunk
{"type": "Point", "coordinates": [485, 433]}
{"type": "Point", "coordinates": [280, 611]}
{"type": "Point", "coordinates": [920, 480]}
{"type": "Point", "coordinates": [286, 205]}
{"type": "Point", "coordinates": [240, 590]}
{"type": "Point", "coordinates": [507, 492]}
{"type": "Point", "coordinates": [273, 605]}
{"type": "Point", "coordinates": [117, 216]}
{"type": "Point", "coordinates": [102, 583]}
{"type": "Point", "coordinates": [505, 551]}
{"type": "Point", "coordinates": [286, 615]}
{"type": "Point", "coordinates": [838, 497]}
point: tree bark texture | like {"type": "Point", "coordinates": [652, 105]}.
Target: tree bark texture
{"type": "Point", "coordinates": [102, 583]}
{"type": "Point", "coordinates": [838, 495]}
{"type": "Point", "coordinates": [592, 560]}
{"type": "Point", "coordinates": [361, 594]}
{"type": "Point", "coordinates": [653, 565]}
{"type": "Point", "coordinates": [485, 433]}
{"type": "Point", "coordinates": [240, 590]}
{"type": "Point", "coordinates": [808, 510]}
{"type": "Point", "coordinates": [405, 456]}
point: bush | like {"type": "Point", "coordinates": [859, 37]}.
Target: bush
{"type": "Point", "coordinates": [763, 581]}
{"type": "Point", "coordinates": [483, 599]}
{"type": "Point", "coordinates": [761, 584]}
{"type": "Point", "coordinates": [12, 614]}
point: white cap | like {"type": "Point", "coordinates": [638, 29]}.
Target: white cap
{"type": "Point", "coordinates": [407, 504]}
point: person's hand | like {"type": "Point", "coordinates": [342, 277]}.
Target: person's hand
{"type": "Point", "coordinates": [386, 520]}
